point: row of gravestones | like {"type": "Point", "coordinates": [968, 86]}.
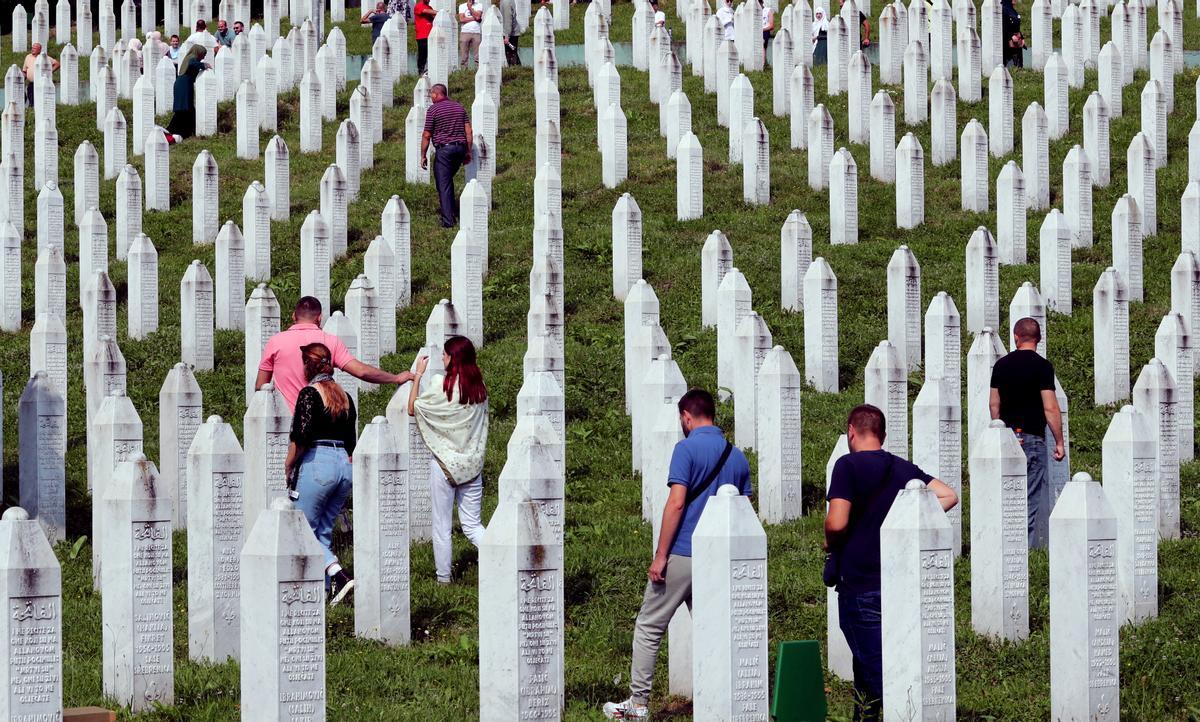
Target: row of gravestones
{"type": "Point", "coordinates": [1138, 466]}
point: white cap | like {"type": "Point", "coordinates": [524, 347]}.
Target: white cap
{"type": "Point", "coordinates": [660, 18]}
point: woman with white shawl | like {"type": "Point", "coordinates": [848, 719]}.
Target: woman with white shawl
{"type": "Point", "coordinates": [452, 417]}
{"type": "Point", "coordinates": [820, 29]}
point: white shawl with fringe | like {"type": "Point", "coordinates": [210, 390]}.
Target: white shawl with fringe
{"type": "Point", "coordinates": [455, 433]}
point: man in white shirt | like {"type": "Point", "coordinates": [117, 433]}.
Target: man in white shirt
{"type": "Point", "coordinates": [200, 37]}
{"type": "Point", "coordinates": [470, 14]}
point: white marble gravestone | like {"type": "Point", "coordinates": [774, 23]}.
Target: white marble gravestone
{"type": "Point", "coordinates": [689, 178]}
{"type": "Point", "coordinates": [379, 265]}
{"type": "Point", "coordinates": [283, 617]}
{"type": "Point", "coordinates": [943, 123]}
{"type": "Point", "coordinates": [1174, 346]}
{"type": "Point", "coordinates": [1035, 159]}
{"type": "Point", "coordinates": [31, 591]}
{"type": "Point", "coordinates": [904, 306]}
{"type": "Point", "coordinates": [729, 616]}
{"type": "Point", "coordinates": [999, 540]}
{"type": "Point", "coordinates": [886, 388]}
{"type": "Point", "coordinates": [795, 240]}
{"type": "Point", "coordinates": [334, 201]}
{"type": "Point", "coordinates": [1085, 615]}
{"type": "Point", "coordinates": [821, 327]}
{"type": "Point", "coordinates": [1154, 395]}
{"type": "Point", "coordinates": [206, 186]}
{"type": "Point", "coordinates": [1110, 337]}
{"type": "Point", "coordinates": [820, 147]}
{"type": "Point", "coordinates": [974, 179]}
{"type": "Point", "coordinates": [1141, 182]}
{"type": "Point", "coordinates": [276, 178]}
{"type": "Point", "coordinates": [840, 660]}
{"type": "Point", "coordinates": [467, 262]}
{"type": "Point", "coordinates": [316, 257]}
{"type": "Point", "coordinates": [801, 96]}
{"type": "Point", "coordinates": [1077, 197]}
{"type": "Point", "coordinates": [1000, 111]}
{"type": "Point", "coordinates": [136, 590]}
{"type": "Point", "coordinates": [752, 342]}
{"type": "Point", "coordinates": [1027, 302]}
{"type": "Point", "coordinates": [1011, 204]}
{"type": "Point", "coordinates": [733, 305]}
{"type": "Point", "coordinates": [1055, 262]}
{"type": "Point", "coordinates": [215, 471]}
{"type": "Point", "coordinates": [983, 281]}
{"type": "Point", "coordinates": [521, 577]}
{"type": "Point", "coordinates": [1129, 483]}
{"type": "Point", "coordinates": [916, 81]}
{"type": "Point", "coordinates": [1154, 121]}
{"type": "Point", "coordinates": [42, 436]}
{"type": "Point", "coordinates": [779, 430]}
{"type": "Point", "coordinates": [1111, 76]}
{"type": "Point", "coordinates": [883, 138]}
{"type": "Point", "coordinates": [641, 309]}
{"type": "Point", "coordinates": [230, 282]}
{"type": "Point", "coordinates": [919, 679]}
{"type": "Point", "coordinates": [266, 427]}
{"type": "Point", "coordinates": [843, 198]}
{"type": "Point", "coordinates": [1056, 89]}
{"type": "Point", "coordinates": [910, 182]}
{"type": "Point", "coordinates": [197, 317]}
{"type": "Point", "coordinates": [381, 609]}
{"type": "Point", "coordinates": [627, 245]}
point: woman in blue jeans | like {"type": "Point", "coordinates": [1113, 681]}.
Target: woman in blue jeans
{"type": "Point", "coordinates": [318, 460]}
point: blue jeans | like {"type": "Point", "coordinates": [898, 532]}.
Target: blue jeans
{"type": "Point", "coordinates": [1034, 446]}
{"type": "Point", "coordinates": [861, 619]}
{"type": "Point", "coordinates": [323, 484]}
{"type": "Point", "coordinates": [446, 162]}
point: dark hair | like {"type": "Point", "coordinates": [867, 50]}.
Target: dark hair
{"type": "Point", "coordinates": [318, 360]}
{"type": "Point", "coordinates": [308, 307]}
{"type": "Point", "coordinates": [699, 403]}
{"type": "Point", "coordinates": [201, 25]}
{"type": "Point", "coordinates": [868, 419]}
{"type": "Point", "coordinates": [463, 371]}
{"type": "Point", "coordinates": [1027, 329]}
{"type": "Point", "coordinates": [173, 37]}
{"type": "Point", "coordinates": [440, 88]}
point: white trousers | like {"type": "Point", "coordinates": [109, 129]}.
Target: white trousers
{"type": "Point", "coordinates": [442, 497]}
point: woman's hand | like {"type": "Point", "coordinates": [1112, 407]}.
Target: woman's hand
{"type": "Point", "coordinates": [422, 364]}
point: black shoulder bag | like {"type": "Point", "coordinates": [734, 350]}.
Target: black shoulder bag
{"type": "Point", "coordinates": [699, 491]}
{"type": "Point", "coordinates": [833, 561]}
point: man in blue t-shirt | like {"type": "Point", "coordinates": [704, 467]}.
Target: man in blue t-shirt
{"type": "Point", "coordinates": [700, 463]}
{"type": "Point", "coordinates": [862, 487]}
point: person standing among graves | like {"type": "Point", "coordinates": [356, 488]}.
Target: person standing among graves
{"type": "Point", "coordinates": [183, 119]}
{"type": "Point", "coordinates": [725, 19]}
{"type": "Point", "coordinates": [318, 459]}
{"type": "Point", "coordinates": [376, 19]}
{"type": "Point", "coordinates": [452, 418]}
{"type": "Point", "coordinates": [224, 34]}
{"type": "Point", "coordinates": [701, 462]}
{"type": "Point", "coordinates": [423, 15]}
{"type": "Point", "coordinates": [862, 487]}
{"type": "Point", "coordinates": [281, 363]}
{"type": "Point", "coordinates": [864, 29]}
{"type": "Point", "coordinates": [1024, 398]}
{"type": "Point", "coordinates": [511, 27]}
{"type": "Point", "coordinates": [470, 35]}
{"type": "Point", "coordinates": [768, 26]}
{"type": "Point", "coordinates": [28, 68]}
{"type": "Point", "coordinates": [820, 34]}
{"type": "Point", "coordinates": [173, 49]}
{"type": "Point", "coordinates": [202, 37]}
{"type": "Point", "coordinates": [449, 129]}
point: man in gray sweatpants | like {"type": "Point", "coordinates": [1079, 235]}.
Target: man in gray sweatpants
{"type": "Point", "coordinates": [700, 463]}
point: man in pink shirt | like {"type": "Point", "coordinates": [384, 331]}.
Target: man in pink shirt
{"type": "Point", "coordinates": [281, 362]}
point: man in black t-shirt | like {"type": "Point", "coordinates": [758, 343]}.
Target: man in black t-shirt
{"type": "Point", "coordinates": [862, 487]}
{"type": "Point", "coordinates": [1023, 398]}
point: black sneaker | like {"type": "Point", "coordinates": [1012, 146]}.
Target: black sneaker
{"type": "Point", "coordinates": [340, 586]}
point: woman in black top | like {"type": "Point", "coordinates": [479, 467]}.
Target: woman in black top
{"type": "Point", "coordinates": [183, 121]}
{"type": "Point", "coordinates": [318, 460]}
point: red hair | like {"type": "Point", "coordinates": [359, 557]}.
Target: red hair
{"type": "Point", "coordinates": [463, 371]}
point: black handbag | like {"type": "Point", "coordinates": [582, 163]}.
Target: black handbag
{"type": "Point", "coordinates": [832, 574]}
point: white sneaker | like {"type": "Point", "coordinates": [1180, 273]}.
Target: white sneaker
{"type": "Point", "coordinates": [626, 710]}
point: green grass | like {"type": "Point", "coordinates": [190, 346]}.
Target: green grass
{"type": "Point", "coordinates": [607, 545]}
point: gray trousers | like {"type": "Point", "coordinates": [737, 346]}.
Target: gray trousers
{"type": "Point", "coordinates": [659, 604]}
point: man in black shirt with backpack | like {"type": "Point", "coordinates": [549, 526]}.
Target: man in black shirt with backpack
{"type": "Point", "coordinates": [862, 487]}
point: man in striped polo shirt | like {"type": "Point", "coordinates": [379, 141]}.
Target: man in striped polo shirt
{"type": "Point", "coordinates": [449, 128]}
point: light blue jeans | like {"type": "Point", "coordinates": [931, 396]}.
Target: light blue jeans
{"type": "Point", "coordinates": [323, 485]}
